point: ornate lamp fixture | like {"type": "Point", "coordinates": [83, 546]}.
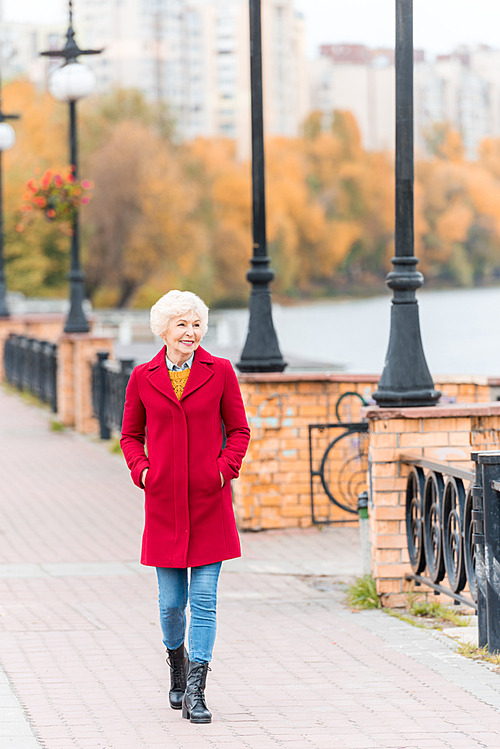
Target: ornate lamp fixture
{"type": "Point", "coordinates": [71, 82]}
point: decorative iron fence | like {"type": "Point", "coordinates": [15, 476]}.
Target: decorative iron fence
{"type": "Point", "coordinates": [109, 382]}
{"type": "Point", "coordinates": [439, 527]}
{"type": "Point", "coordinates": [338, 459]}
{"type": "Point", "coordinates": [31, 365]}
{"type": "Point", "coordinates": [453, 530]}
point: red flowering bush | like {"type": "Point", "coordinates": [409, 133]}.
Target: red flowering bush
{"type": "Point", "coordinates": [56, 196]}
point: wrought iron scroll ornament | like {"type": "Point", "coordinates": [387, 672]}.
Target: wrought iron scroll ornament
{"type": "Point", "coordinates": [439, 529]}
{"type": "Point", "coordinates": [343, 464]}
{"type": "Point", "coordinates": [461, 534]}
{"type": "Point", "coordinates": [351, 477]}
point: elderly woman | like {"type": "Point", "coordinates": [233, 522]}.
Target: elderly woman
{"type": "Point", "coordinates": [182, 401]}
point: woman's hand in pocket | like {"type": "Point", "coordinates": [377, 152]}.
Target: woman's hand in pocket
{"type": "Point", "coordinates": [222, 479]}
{"type": "Point", "coordinates": [143, 477]}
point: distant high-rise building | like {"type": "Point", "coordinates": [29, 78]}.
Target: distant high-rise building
{"type": "Point", "coordinates": [20, 47]}
{"type": "Point", "coordinates": [361, 80]}
{"type": "Point", "coordinates": [461, 89]}
{"type": "Point", "coordinates": [194, 55]}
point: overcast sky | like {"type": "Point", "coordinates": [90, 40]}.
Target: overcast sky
{"type": "Point", "coordinates": [440, 25]}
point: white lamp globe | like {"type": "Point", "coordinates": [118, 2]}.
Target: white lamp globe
{"type": "Point", "coordinates": [7, 136]}
{"type": "Point", "coordinates": [71, 82]}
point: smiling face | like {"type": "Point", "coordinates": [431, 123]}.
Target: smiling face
{"type": "Point", "coordinates": [182, 337]}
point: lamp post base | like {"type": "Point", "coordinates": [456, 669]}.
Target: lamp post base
{"type": "Point", "coordinates": [261, 352]}
{"type": "Point", "coordinates": [406, 399]}
{"type": "Point", "coordinates": [247, 366]}
{"type": "Point", "coordinates": [406, 380]}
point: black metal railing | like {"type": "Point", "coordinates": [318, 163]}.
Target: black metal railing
{"type": "Point", "coordinates": [109, 382]}
{"type": "Point", "coordinates": [338, 460]}
{"type": "Point", "coordinates": [438, 522]}
{"type": "Point", "coordinates": [31, 365]}
{"type": "Point", "coordinates": [453, 530]}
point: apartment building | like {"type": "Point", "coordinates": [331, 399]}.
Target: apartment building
{"type": "Point", "coordinates": [354, 78]}
{"type": "Point", "coordinates": [462, 89]}
{"type": "Point", "coordinates": [194, 55]}
{"type": "Point", "coordinates": [20, 47]}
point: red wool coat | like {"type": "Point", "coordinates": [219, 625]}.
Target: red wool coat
{"type": "Point", "coordinates": [189, 517]}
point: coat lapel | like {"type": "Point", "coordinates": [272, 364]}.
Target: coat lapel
{"type": "Point", "coordinates": [159, 377]}
{"type": "Point", "coordinates": [201, 372]}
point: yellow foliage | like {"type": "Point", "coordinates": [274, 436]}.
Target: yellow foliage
{"type": "Point", "coordinates": [166, 215]}
{"type": "Point", "coordinates": [454, 223]}
{"type": "Point", "coordinates": [452, 147]}
{"type": "Point", "coordinates": [484, 192]}
{"type": "Point", "coordinates": [341, 237]}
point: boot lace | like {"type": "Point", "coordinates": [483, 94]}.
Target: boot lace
{"type": "Point", "coordinates": [199, 688]}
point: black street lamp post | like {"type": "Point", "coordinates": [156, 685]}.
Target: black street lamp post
{"type": "Point", "coordinates": [261, 352]}
{"type": "Point", "coordinates": [7, 140]}
{"type": "Point", "coordinates": [405, 380]}
{"type": "Point", "coordinates": [70, 82]}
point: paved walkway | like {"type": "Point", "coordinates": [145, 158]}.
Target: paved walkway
{"type": "Point", "coordinates": [80, 646]}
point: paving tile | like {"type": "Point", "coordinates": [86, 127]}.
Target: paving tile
{"type": "Point", "coordinates": [81, 645]}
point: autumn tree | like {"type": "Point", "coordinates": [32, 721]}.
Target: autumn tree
{"type": "Point", "coordinates": [36, 261]}
{"type": "Point", "coordinates": [140, 217]}
{"type": "Point", "coordinates": [167, 214]}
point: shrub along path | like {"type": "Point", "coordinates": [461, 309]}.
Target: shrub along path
{"type": "Point", "coordinates": [83, 665]}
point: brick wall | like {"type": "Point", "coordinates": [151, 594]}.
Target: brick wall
{"type": "Point", "coordinates": [465, 388]}
{"type": "Point", "coordinates": [442, 433]}
{"type": "Point", "coordinates": [76, 354]}
{"type": "Point", "coordinates": [274, 488]}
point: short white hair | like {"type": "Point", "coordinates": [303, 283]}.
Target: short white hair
{"type": "Point", "coordinates": [174, 304]}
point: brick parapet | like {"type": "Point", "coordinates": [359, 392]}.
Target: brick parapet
{"type": "Point", "coordinates": [76, 354]}
{"type": "Point", "coordinates": [454, 388]}
{"type": "Point", "coordinates": [443, 433]}
{"type": "Point", "coordinates": [274, 488]}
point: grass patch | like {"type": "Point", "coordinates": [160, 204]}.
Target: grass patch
{"type": "Point", "coordinates": [56, 426]}
{"type": "Point", "coordinates": [478, 654]}
{"type": "Point", "coordinates": [362, 594]}
{"type": "Point", "coordinates": [115, 447]}
{"type": "Point", "coordinates": [405, 618]}
{"type": "Point", "coordinates": [442, 614]}
{"type": "Point", "coordinates": [25, 395]}
{"type": "Point", "coordinates": [429, 614]}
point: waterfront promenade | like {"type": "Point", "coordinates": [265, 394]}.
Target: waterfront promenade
{"type": "Point", "coordinates": [81, 660]}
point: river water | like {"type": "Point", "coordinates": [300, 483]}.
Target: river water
{"type": "Point", "coordinates": [460, 331]}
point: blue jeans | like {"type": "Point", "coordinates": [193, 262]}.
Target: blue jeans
{"type": "Point", "coordinates": [201, 591]}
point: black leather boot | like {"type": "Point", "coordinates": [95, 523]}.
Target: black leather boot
{"type": "Point", "coordinates": [194, 707]}
{"type": "Point", "coordinates": [179, 662]}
